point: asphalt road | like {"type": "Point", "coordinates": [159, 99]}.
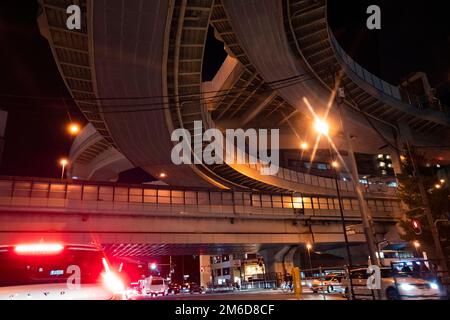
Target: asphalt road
{"type": "Point", "coordinates": [247, 295]}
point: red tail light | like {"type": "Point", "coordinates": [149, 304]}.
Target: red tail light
{"type": "Point", "coordinates": [39, 248]}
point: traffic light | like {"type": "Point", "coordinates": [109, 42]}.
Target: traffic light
{"type": "Point", "coordinates": [416, 227]}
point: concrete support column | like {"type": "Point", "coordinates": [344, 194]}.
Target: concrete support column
{"type": "Point", "coordinates": [279, 260]}
{"type": "Point", "coordinates": [205, 271]}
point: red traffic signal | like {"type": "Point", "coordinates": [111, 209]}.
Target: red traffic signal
{"type": "Point", "coordinates": [416, 227]}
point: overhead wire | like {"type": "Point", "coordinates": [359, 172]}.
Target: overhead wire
{"type": "Point", "coordinates": [274, 85]}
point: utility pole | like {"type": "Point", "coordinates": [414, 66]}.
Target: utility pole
{"type": "Point", "coordinates": [365, 213]}
{"type": "Point", "coordinates": [341, 210]}
{"type": "Point", "coordinates": [344, 227]}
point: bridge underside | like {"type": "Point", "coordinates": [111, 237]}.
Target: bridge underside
{"type": "Point", "coordinates": [140, 249]}
{"type": "Point", "coordinates": [162, 235]}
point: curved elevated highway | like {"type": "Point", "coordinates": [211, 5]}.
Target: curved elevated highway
{"type": "Point", "coordinates": [91, 157]}
{"type": "Point", "coordinates": [155, 49]}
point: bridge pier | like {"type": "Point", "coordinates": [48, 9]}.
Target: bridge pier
{"type": "Point", "coordinates": [279, 260]}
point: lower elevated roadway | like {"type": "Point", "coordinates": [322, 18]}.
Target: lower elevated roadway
{"type": "Point", "coordinates": [146, 220]}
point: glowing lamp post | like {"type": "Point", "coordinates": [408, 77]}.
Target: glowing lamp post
{"type": "Point", "coordinates": [73, 129]}
{"type": "Point", "coordinates": [63, 162]}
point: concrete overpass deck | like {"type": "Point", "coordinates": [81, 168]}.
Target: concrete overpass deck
{"type": "Point", "coordinates": [207, 219]}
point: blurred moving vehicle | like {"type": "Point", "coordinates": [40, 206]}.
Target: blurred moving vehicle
{"type": "Point", "coordinates": [192, 288]}
{"type": "Point", "coordinates": [395, 285]}
{"type": "Point", "coordinates": [330, 283]}
{"type": "Point", "coordinates": [174, 288]}
{"type": "Point", "coordinates": [53, 271]}
{"type": "Point", "coordinates": [154, 286]}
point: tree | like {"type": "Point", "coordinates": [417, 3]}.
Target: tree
{"type": "Point", "coordinates": [409, 193]}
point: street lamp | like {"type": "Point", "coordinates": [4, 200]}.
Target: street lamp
{"type": "Point", "coordinates": [63, 162]}
{"type": "Point", "coordinates": [304, 146]}
{"type": "Point", "coordinates": [309, 247]}
{"type": "Point", "coordinates": [417, 246]}
{"type": "Point", "coordinates": [73, 129]}
{"type": "Point", "coordinates": [162, 175]}
{"type": "Point", "coordinates": [322, 127]}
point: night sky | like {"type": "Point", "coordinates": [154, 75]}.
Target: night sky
{"type": "Point", "coordinates": [415, 36]}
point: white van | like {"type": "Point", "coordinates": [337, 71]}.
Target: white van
{"type": "Point", "coordinates": [154, 286]}
{"type": "Point", "coordinates": [52, 271]}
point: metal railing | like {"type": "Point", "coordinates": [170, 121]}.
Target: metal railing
{"type": "Point", "coordinates": [68, 195]}
{"type": "Point", "coordinates": [327, 183]}
{"type": "Point", "coordinates": [363, 74]}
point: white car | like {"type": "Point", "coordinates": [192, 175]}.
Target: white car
{"type": "Point", "coordinates": [53, 271]}
{"type": "Point", "coordinates": [330, 283]}
{"type": "Point", "coordinates": [154, 286]}
{"type": "Point", "coordinates": [402, 286]}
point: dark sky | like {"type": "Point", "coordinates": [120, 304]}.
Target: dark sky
{"type": "Point", "coordinates": [415, 36]}
{"type": "Point", "coordinates": [36, 130]}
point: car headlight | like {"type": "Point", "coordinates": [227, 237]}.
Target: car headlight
{"type": "Point", "coordinates": [434, 286]}
{"type": "Point", "coordinates": [406, 287]}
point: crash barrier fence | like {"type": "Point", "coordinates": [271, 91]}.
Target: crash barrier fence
{"type": "Point", "coordinates": [259, 284]}
{"type": "Point", "coordinates": [22, 192]}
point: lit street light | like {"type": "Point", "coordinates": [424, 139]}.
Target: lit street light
{"type": "Point", "coordinates": [417, 246]}
{"type": "Point", "coordinates": [304, 146]}
{"type": "Point", "coordinates": [63, 162]}
{"type": "Point", "coordinates": [162, 175]}
{"type": "Point", "coordinates": [73, 129]}
{"type": "Point", "coordinates": [322, 127]}
{"type": "Point", "coordinates": [309, 247]}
